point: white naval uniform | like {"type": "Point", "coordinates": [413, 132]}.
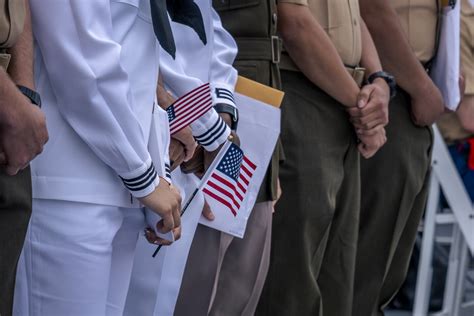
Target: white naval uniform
{"type": "Point", "coordinates": [96, 68]}
{"type": "Point", "coordinates": [196, 64]}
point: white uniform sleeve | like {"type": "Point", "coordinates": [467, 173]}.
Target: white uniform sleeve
{"type": "Point", "coordinates": [223, 75]}
{"type": "Point", "coordinates": [92, 89]}
{"type": "Point", "coordinates": [209, 129]}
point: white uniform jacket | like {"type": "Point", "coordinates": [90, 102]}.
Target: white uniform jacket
{"type": "Point", "coordinates": [96, 69]}
{"type": "Point", "coordinates": [198, 64]}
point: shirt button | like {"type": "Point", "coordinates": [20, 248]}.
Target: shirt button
{"type": "Point", "coordinates": [274, 18]}
{"type": "Point", "coordinates": [355, 22]}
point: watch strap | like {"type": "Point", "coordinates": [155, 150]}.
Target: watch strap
{"type": "Point", "coordinates": [389, 79]}
{"type": "Point", "coordinates": [231, 110]}
{"type": "Point", "coordinates": [34, 96]}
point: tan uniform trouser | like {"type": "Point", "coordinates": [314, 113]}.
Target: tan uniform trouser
{"type": "Point", "coordinates": [225, 275]}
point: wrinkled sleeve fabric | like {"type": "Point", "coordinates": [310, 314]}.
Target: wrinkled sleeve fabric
{"type": "Point", "coordinates": [92, 88]}
{"type": "Point", "coordinates": [209, 129]}
{"type": "Point", "coordinates": [223, 75]}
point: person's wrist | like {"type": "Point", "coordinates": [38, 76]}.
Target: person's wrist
{"type": "Point", "coordinates": [232, 113]}
{"type": "Point", "coordinates": [10, 110]}
{"type": "Point", "coordinates": [383, 84]}
{"type": "Point", "coordinates": [350, 100]}
{"type": "Point", "coordinates": [389, 80]}
{"type": "Point", "coordinates": [227, 118]}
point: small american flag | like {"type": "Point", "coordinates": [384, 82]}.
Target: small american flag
{"type": "Point", "coordinates": [189, 108]}
{"type": "Point", "coordinates": [229, 181]}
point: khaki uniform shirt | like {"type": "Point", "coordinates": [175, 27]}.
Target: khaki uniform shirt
{"type": "Point", "coordinates": [467, 45]}
{"type": "Point", "coordinates": [449, 124]}
{"type": "Point", "coordinates": [12, 19]}
{"type": "Point", "coordinates": [419, 21]}
{"type": "Point", "coordinates": [341, 20]}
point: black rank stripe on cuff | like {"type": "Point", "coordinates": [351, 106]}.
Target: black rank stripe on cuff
{"type": "Point", "coordinates": [213, 134]}
{"type": "Point", "coordinates": [223, 93]}
{"type": "Point", "coordinates": [141, 182]}
{"type": "Point", "coordinates": [167, 171]}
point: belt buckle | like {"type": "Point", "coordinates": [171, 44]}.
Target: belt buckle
{"type": "Point", "coordinates": [358, 75]}
{"type": "Point", "coordinates": [276, 51]}
{"type": "Point", "coordinates": [4, 61]}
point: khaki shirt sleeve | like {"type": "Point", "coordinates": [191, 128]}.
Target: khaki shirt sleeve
{"type": "Point", "coordinates": [467, 46]}
{"type": "Point", "coordinates": [300, 2]}
{"type": "Point", "coordinates": [12, 19]}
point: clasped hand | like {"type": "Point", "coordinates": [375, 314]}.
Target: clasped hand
{"type": "Point", "coordinates": [370, 116]}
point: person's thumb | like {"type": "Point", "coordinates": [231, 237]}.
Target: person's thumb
{"type": "Point", "coordinates": [364, 96]}
{"type": "Point", "coordinates": [207, 212]}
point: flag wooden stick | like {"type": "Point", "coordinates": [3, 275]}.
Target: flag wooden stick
{"type": "Point", "coordinates": [182, 213]}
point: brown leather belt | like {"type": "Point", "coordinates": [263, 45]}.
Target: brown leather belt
{"type": "Point", "coordinates": [357, 73]}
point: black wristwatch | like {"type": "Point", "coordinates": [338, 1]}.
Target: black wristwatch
{"type": "Point", "coordinates": [231, 110]}
{"type": "Point", "coordinates": [389, 79]}
{"type": "Point", "coordinates": [30, 94]}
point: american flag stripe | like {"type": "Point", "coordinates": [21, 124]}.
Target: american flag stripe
{"type": "Point", "coordinates": [191, 94]}
{"type": "Point", "coordinates": [249, 163]}
{"type": "Point", "coordinates": [190, 120]}
{"type": "Point", "coordinates": [196, 100]}
{"type": "Point", "coordinates": [247, 171]}
{"type": "Point", "coordinates": [221, 200]}
{"type": "Point", "coordinates": [190, 107]}
{"type": "Point", "coordinates": [244, 179]}
{"type": "Point", "coordinates": [224, 192]}
{"type": "Point", "coordinates": [197, 113]}
{"type": "Point", "coordinates": [229, 180]}
{"type": "Point", "coordinates": [192, 114]}
{"type": "Point", "coordinates": [241, 187]}
{"type": "Point", "coordinates": [229, 185]}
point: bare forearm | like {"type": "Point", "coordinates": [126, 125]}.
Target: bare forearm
{"type": "Point", "coordinates": [10, 97]}
{"type": "Point", "coordinates": [370, 59]}
{"type": "Point", "coordinates": [21, 66]}
{"type": "Point", "coordinates": [313, 52]}
{"type": "Point", "coordinates": [392, 45]}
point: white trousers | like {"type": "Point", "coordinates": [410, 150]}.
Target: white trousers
{"type": "Point", "coordinates": [155, 282]}
{"type": "Point", "coordinates": [77, 259]}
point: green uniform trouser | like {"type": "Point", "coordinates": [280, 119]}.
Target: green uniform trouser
{"type": "Point", "coordinates": [394, 193]}
{"type": "Point", "coordinates": [314, 236]}
{"type": "Point", "coordinates": [15, 211]}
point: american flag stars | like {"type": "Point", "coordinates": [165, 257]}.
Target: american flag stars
{"type": "Point", "coordinates": [231, 163]}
